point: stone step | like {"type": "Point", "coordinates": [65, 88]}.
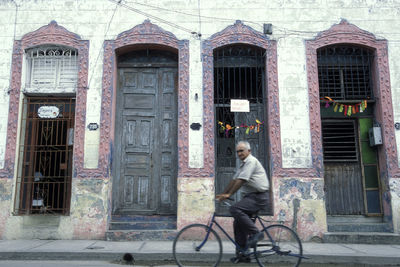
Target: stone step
{"type": "Point", "coordinates": [135, 222]}
{"type": "Point", "coordinates": [142, 225]}
{"type": "Point", "coordinates": [360, 227]}
{"type": "Point", "coordinates": [141, 235]}
{"type": "Point", "coordinates": [353, 219]}
{"type": "Point", "coordinates": [125, 218]}
{"type": "Point", "coordinates": [361, 238]}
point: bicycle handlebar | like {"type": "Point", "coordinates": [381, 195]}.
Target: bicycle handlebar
{"type": "Point", "coordinates": [225, 201]}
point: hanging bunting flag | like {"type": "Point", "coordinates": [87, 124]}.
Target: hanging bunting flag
{"type": "Point", "coordinates": [226, 128]}
{"type": "Point", "coordinates": [347, 110]}
{"type": "Point", "coordinates": [336, 107]}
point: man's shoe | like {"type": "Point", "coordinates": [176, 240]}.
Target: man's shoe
{"type": "Point", "coordinates": [238, 259]}
{"type": "Point", "coordinates": [255, 238]}
{"type": "Point", "coordinates": [241, 256]}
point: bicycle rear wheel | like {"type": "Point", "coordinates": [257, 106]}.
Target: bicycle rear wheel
{"type": "Point", "coordinates": [186, 247]}
{"type": "Point", "coordinates": [280, 244]}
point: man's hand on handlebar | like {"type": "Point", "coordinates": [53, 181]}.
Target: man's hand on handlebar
{"type": "Point", "coordinates": [222, 197]}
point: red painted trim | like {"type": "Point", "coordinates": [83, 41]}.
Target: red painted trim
{"type": "Point", "coordinates": [49, 34]}
{"type": "Point", "coordinates": [345, 32]}
{"type": "Point", "coordinates": [143, 34]}
{"type": "Point", "coordinates": [234, 34]}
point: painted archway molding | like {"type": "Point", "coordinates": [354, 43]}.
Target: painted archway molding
{"type": "Point", "coordinates": [49, 34]}
{"type": "Point", "coordinates": [235, 34]}
{"type": "Point", "coordinates": [146, 33]}
{"type": "Point", "coordinates": [344, 32]}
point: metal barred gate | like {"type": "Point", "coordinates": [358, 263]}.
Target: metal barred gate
{"type": "Point", "coordinates": [239, 73]}
{"type": "Point", "coordinates": [45, 166]}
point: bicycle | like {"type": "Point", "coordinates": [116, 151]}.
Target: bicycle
{"type": "Point", "coordinates": [195, 241]}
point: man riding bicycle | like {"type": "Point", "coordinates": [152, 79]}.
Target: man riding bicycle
{"type": "Point", "coordinates": [252, 179]}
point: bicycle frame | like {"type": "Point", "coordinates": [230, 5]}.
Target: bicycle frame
{"type": "Point", "coordinates": [214, 222]}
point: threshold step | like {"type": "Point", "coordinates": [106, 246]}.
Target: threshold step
{"type": "Point", "coordinates": [143, 235]}
{"type": "Point", "coordinates": [142, 225]}
{"type": "Point", "coordinates": [361, 238]}
{"type": "Point", "coordinates": [359, 227]}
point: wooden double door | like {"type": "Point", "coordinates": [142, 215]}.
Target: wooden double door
{"type": "Point", "coordinates": [145, 142]}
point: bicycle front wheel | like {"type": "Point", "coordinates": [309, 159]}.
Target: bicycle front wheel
{"type": "Point", "coordinates": [197, 243]}
{"type": "Point", "coordinates": [280, 244]}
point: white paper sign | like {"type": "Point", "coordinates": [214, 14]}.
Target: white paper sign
{"type": "Point", "coordinates": [48, 112]}
{"type": "Point", "coordinates": [240, 105]}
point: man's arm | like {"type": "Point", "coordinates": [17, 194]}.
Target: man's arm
{"type": "Point", "coordinates": [231, 189]}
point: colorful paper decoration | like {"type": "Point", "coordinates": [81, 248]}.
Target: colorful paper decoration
{"type": "Point", "coordinates": [347, 110]}
{"type": "Point", "coordinates": [224, 127]}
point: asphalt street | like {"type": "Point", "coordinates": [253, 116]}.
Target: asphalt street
{"type": "Point", "coordinates": [36, 263]}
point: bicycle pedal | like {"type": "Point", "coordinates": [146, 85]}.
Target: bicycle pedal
{"type": "Point", "coordinates": [235, 260]}
{"type": "Point", "coordinates": [284, 253]}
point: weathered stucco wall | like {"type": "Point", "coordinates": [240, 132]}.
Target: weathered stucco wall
{"type": "Point", "coordinates": [300, 203]}
{"type": "Point", "coordinates": [5, 204]}
{"type": "Point", "coordinates": [292, 23]}
{"type": "Point", "coordinates": [297, 183]}
{"type": "Point", "coordinates": [87, 219]}
{"type": "Point", "coordinates": [395, 198]}
{"type": "Point", "coordinates": [195, 200]}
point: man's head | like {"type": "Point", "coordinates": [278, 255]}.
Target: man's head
{"type": "Point", "coordinates": [243, 149]}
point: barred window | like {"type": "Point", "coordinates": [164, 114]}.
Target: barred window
{"type": "Point", "coordinates": [52, 66]}
{"type": "Point", "coordinates": [344, 72]}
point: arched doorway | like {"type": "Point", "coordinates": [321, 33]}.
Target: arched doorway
{"type": "Point", "coordinates": [146, 133]}
{"type": "Point", "coordinates": [239, 73]}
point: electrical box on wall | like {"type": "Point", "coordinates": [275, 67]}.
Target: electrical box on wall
{"type": "Point", "coordinates": [375, 136]}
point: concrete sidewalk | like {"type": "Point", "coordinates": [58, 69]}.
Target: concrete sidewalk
{"type": "Point", "coordinates": [322, 253]}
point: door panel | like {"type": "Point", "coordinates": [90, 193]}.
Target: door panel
{"type": "Point", "coordinates": [136, 163]}
{"type": "Point", "coordinates": [345, 190]}
{"type": "Point", "coordinates": [146, 142]}
{"type": "Point", "coordinates": [343, 173]}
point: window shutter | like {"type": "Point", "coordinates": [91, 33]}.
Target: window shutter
{"type": "Point", "coordinates": [339, 141]}
{"type": "Point", "coordinates": [53, 67]}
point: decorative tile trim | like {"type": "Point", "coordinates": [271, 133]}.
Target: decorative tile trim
{"type": "Point", "coordinates": [143, 34]}
{"type": "Point", "coordinates": [344, 32]}
{"type": "Point", "coordinates": [49, 34]}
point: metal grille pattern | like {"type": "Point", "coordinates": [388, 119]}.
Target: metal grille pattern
{"type": "Point", "coordinates": [52, 67]}
{"type": "Point", "coordinates": [344, 72]}
{"type": "Point", "coordinates": [238, 74]}
{"type": "Point", "coordinates": [339, 141]}
{"type": "Point", "coordinates": [44, 182]}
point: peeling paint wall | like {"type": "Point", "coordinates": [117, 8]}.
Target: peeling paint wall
{"type": "Point", "coordinates": [195, 200]}
{"type": "Point", "coordinates": [300, 203]}
{"type": "Point", "coordinates": [87, 220]}
{"type": "Point", "coordinates": [296, 163]}
{"type": "Point", "coordinates": [5, 204]}
{"type": "Point", "coordinates": [89, 208]}
{"type": "Point", "coordinates": [394, 186]}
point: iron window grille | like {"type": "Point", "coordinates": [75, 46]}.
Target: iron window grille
{"type": "Point", "coordinates": [52, 66]}
{"type": "Point", "coordinates": [345, 71]}
{"type": "Point", "coordinates": [239, 73]}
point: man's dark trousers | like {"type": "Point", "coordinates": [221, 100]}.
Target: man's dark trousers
{"type": "Point", "coordinates": [241, 211]}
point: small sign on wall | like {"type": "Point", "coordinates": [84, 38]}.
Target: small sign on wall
{"type": "Point", "coordinates": [48, 112]}
{"type": "Point", "coordinates": [240, 105]}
